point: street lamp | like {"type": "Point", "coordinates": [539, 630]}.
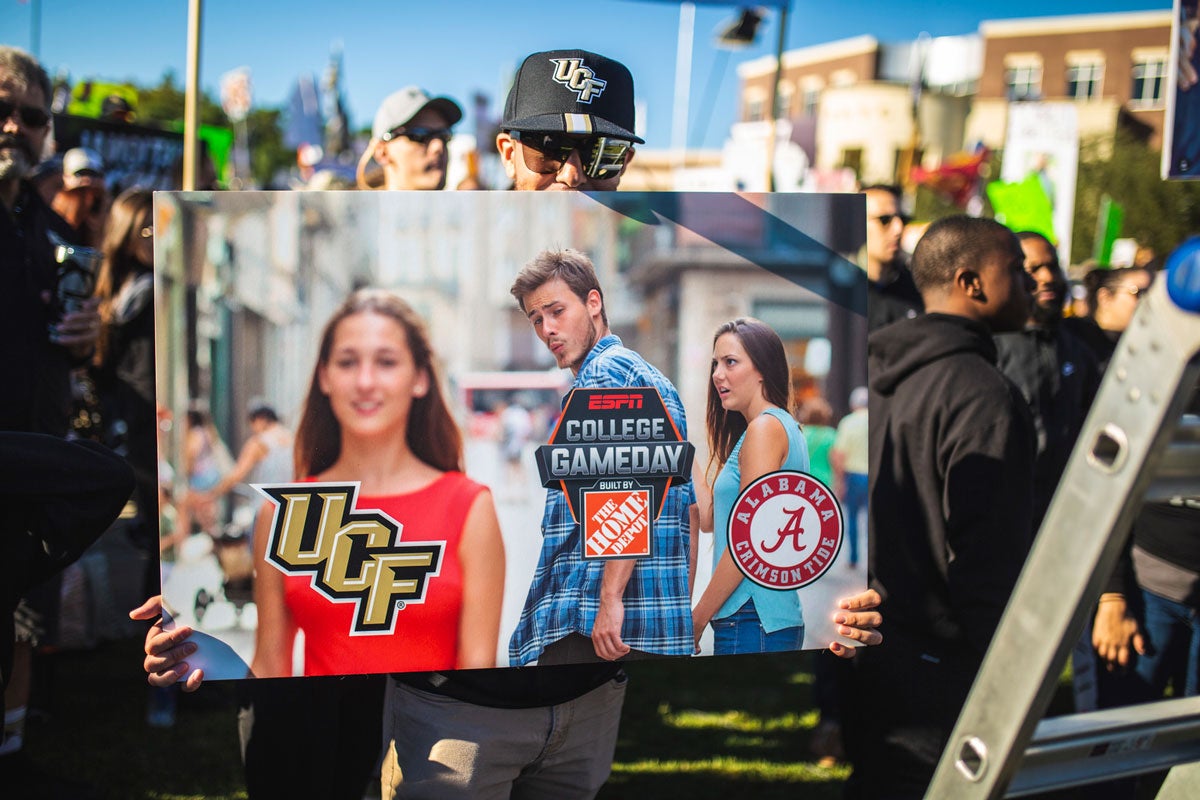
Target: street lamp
{"type": "Point", "coordinates": [741, 32]}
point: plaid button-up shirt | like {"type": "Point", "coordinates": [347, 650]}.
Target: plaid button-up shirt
{"type": "Point", "coordinates": [565, 593]}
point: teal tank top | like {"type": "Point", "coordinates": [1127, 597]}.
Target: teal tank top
{"type": "Point", "coordinates": [776, 609]}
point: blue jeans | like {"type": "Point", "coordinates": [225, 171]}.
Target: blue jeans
{"type": "Point", "coordinates": [1172, 631]}
{"type": "Point", "coordinates": [854, 501]}
{"type": "Point", "coordinates": [742, 632]}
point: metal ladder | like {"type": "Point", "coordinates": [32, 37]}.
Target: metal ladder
{"type": "Point", "coordinates": [1134, 445]}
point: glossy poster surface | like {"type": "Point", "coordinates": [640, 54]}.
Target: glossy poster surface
{"type": "Point", "coordinates": [316, 572]}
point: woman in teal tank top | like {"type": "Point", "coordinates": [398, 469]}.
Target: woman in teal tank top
{"type": "Point", "coordinates": [750, 434]}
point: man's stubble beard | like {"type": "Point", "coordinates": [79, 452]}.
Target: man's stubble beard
{"type": "Point", "coordinates": [14, 164]}
{"type": "Point", "coordinates": [591, 342]}
{"type": "Point", "coordinates": [1042, 315]}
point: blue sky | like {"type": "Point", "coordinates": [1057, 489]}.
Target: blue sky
{"type": "Point", "coordinates": [460, 47]}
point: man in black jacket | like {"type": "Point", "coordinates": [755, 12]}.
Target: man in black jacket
{"type": "Point", "coordinates": [951, 457]}
{"type": "Point", "coordinates": [891, 293]}
{"type": "Point", "coordinates": [34, 344]}
{"type": "Point", "coordinates": [1054, 369]}
{"type": "Point", "coordinates": [39, 343]}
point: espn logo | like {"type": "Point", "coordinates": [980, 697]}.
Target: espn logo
{"type": "Point", "coordinates": [609, 402]}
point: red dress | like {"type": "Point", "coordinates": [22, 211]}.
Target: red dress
{"type": "Point", "coordinates": [425, 637]}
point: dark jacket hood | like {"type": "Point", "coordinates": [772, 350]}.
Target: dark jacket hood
{"type": "Point", "coordinates": [896, 351]}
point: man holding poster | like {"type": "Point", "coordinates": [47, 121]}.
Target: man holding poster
{"type": "Point", "coordinates": [549, 731]}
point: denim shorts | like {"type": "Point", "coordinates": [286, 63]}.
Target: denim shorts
{"type": "Point", "coordinates": [742, 632]}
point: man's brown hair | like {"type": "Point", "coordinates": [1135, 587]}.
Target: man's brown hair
{"type": "Point", "coordinates": [23, 70]}
{"type": "Point", "coordinates": [573, 267]}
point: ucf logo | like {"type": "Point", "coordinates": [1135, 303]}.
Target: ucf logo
{"type": "Point", "coordinates": [571, 72]}
{"type": "Point", "coordinates": [350, 555]}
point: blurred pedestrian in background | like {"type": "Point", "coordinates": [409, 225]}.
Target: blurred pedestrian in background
{"type": "Point", "coordinates": [266, 457]}
{"type": "Point", "coordinates": [1056, 371]}
{"type": "Point", "coordinates": [816, 420]}
{"type": "Point", "coordinates": [82, 166]}
{"type": "Point", "coordinates": [124, 362]}
{"type": "Point", "coordinates": [849, 460]}
{"type": "Point", "coordinates": [891, 293]}
{"type": "Point", "coordinates": [1112, 297]}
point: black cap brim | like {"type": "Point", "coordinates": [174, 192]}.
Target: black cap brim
{"type": "Point", "coordinates": [444, 106]}
{"type": "Point", "coordinates": [557, 123]}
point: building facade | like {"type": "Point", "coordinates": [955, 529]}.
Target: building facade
{"type": "Point", "coordinates": [870, 107]}
{"type": "Point", "coordinates": [877, 108]}
{"type": "Point", "coordinates": [1112, 66]}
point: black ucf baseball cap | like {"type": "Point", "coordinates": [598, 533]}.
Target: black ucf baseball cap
{"type": "Point", "coordinates": [571, 91]}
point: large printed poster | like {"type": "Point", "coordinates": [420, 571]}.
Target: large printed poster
{"type": "Point", "coordinates": [1181, 76]}
{"type": "Point", "coordinates": [307, 338]}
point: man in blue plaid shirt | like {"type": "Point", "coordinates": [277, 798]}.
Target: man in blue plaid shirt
{"type": "Point", "coordinates": [588, 610]}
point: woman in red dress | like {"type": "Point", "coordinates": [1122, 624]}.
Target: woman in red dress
{"type": "Point", "coordinates": [375, 415]}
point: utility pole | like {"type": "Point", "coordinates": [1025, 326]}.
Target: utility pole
{"type": "Point", "coordinates": [191, 105]}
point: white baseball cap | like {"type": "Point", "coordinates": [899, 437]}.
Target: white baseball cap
{"type": "Point", "coordinates": [400, 107]}
{"type": "Point", "coordinates": [82, 159]}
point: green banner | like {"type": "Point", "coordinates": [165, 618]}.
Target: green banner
{"type": "Point", "coordinates": [1023, 206]}
{"type": "Point", "coordinates": [1108, 229]}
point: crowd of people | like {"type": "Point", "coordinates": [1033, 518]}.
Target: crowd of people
{"type": "Point", "coordinates": [978, 386]}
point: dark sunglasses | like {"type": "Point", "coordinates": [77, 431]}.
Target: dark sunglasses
{"type": "Point", "coordinates": [31, 116]}
{"type": "Point", "coordinates": [600, 156]}
{"type": "Point", "coordinates": [886, 219]}
{"type": "Point", "coordinates": [418, 134]}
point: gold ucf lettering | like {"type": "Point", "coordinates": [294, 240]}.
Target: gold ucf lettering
{"type": "Point", "coordinates": [350, 555]}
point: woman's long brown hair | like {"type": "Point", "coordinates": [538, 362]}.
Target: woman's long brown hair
{"type": "Point", "coordinates": [766, 352]}
{"type": "Point", "coordinates": [432, 434]}
{"type": "Point", "coordinates": [132, 211]}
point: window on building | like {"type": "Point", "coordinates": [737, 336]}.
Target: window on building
{"type": "Point", "coordinates": [783, 100]}
{"type": "Point", "coordinates": [1024, 83]}
{"type": "Point", "coordinates": [1149, 80]}
{"type": "Point", "coordinates": [1085, 76]}
{"type": "Point", "coordinates": [754, 109]}
{"type": "Point", "coordinates": [1023, 76]}
{"type": "Point", "coordinates": [852, 158]}
{"type": "Point", "coordinates": [810, 95]}
{"type": "Point", "coordinates": [808, 107]}
{"type": "Point", "coordinates": [905, 159]}
{"type": "Point", "coordinates": [843, 77]}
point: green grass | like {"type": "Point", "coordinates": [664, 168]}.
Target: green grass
{"type": "Point", "coordinates": [724, 728]}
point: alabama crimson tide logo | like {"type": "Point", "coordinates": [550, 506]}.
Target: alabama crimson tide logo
{"type": "Point", "coordinates": [785, 530]}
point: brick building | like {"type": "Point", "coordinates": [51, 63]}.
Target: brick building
{"type": "Point", "coordinates": [1113, 66]}
{"type": "Point", "coordinates": [850, 102]}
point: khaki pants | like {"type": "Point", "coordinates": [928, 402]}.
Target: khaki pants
{"type": "Point", "coordinates": [439, 748]}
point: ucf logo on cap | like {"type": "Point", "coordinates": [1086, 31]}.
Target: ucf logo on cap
{"type": "Point", "coordinates": [581, 79]}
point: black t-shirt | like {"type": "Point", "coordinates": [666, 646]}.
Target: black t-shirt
{"type": "Point", "coordinates": [515, 687]}
{"type": "Point", "coordinates": [894, 298]}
